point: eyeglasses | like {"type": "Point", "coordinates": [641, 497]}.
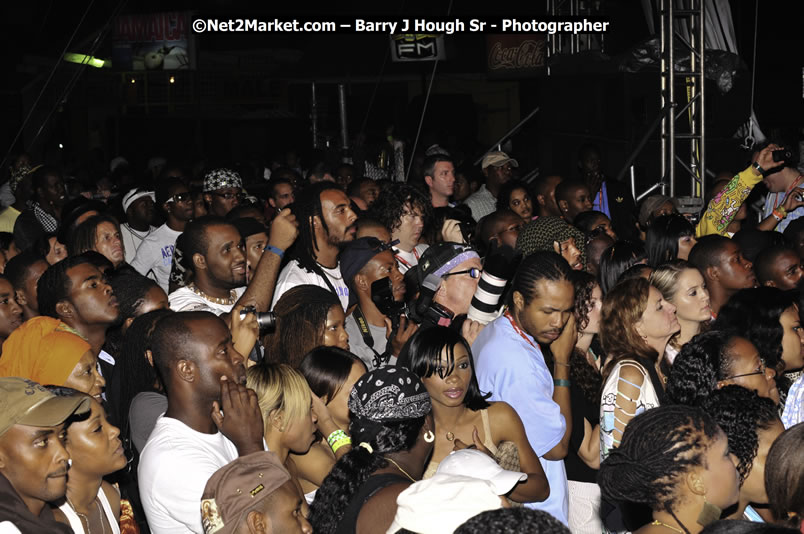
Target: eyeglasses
{"type": "Point", "coordinates": [180, 197]}
{"type": "Point", "coordinates": [474, 272]}
{"type": "Point", "coordinates": [230, 196]}
{"type": "Point", "coordinates": [761, 371]}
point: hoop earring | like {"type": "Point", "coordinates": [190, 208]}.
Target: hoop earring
{"type": "Point", "coordinates": [429, 437]}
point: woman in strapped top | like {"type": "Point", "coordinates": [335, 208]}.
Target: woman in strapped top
{"type": "Point", "coordinates": [636, 325]}
{"type": "Point", "coordinates": [443, 360]}
{"type": "Point", "coordinates": [391, 428]}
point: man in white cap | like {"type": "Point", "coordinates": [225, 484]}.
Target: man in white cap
{"type": "Point", "coordinates": [33, 460]}
{"type": "Point", "coordinates": [138, 205]}
{"type": "Point", "coordinates": [498, 169]}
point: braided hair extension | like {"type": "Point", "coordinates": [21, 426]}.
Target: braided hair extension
{"type": "Point", "coordinates": [306, 207]}
{"type": "Point", "coordinates": [354, 468]}
{"type": "Point", "coordinates": [741, 414]}
{"type": "Point", "coordinates": [658, 448]}
{"type": "Point", "coordinates": [535, 267]}
{"type": "Point", "coordinates": [703, 361]}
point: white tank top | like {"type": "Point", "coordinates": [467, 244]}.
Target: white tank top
{"type": "Point", "coordinates": [78, 526]}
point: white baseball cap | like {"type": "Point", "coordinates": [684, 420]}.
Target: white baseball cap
{"type": "Point", "coordinates": [475, 464]}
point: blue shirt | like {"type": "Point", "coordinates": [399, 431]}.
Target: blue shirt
{"type": "Point", "coordinates": [514, 372]}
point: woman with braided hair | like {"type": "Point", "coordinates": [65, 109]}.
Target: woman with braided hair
{"type": "Point", "coordinates": [751, 424]}
{"type": "Point", "coordinates": [391, 429]}
{"type": "Point", "coordinates": [675, 460]}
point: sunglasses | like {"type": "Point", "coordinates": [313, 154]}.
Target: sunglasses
{"type": "Point", "coordinates": [180, 197]}
{"type": "Point", "coordinates": [474, 272]}
{"type": "Point", "coordinates": [230, 196]}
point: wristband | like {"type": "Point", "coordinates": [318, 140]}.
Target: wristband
{"type": "Point", "coordinates": [759, 168]}
{"type": "Point", "coordinates": [562, 363]}
{"type": "Point", "coordinates": [340, 443]}
{"type": "Point", "coordinates": [336, 436]}
{"type": "Point", "coordinates": [560, 382]}
{"type": "Point", "coordinates": [278, 251]}
{"type": "Point", "coordinates": [779, 213]}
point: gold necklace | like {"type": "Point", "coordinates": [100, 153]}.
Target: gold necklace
{"type": "Point", "coordinates": [403, 471]}
{"type": "Point", "coordinates": [217, 300]}
{"type": "Point", "coordinates": [658, 523]}
{"type": "Point", "coordinates": [85, 517]}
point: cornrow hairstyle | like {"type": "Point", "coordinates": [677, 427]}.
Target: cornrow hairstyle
{"type": "Point", "coordinates": [617, 259]}
{"type": "Point", "coordinates": [766, 260]}
{"type": "Point", "coordinates": [130, 289]}
{"type": "Point", "coordinates": [301, 316]}
{"type": "Point", "coordinates": [659, 447]}
{"type": "Point", "coordinates": [85, 236]}
{"type": "Point", "coordinates": [305, 208]}
{"type": "Point", "coordinates": [394, 200]}
{"type": "Point", "coordinates": [661, 242]}
{"type": "Point", "coordinates": [742, 415]}
{"type": "Point", "coordinates": [54, 285]}
{"type": "Point", "coordinates": [584, 375]}
{"type": "Point", "coordinates": [506, 520]}
{"type": "Point", "coordinates": [326, 369]}
{"type": "Point", "coordinates": [623, 307]}
{"type": "Point", "coordinates": [755, 312]}
{"type": "Point", "coordinates": [702, 363]}
{"type": "Point", "coordinates": [784, 476]}
{"type": "Point", "coordinates": [423, 357]}
{"type": "Point", "coordinates": [535, 267]}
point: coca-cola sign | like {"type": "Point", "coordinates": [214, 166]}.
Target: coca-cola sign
{"type": "Point", "coordinates": [515, 54]}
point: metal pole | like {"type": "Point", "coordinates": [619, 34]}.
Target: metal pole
{"type": "Point", "coordinates": [671, 80]}
{"type": "Point", "coordinates": [508, 134]}
{"type": "Point", "coordinates": [344, 128]}
{"type": "Point", "coordinates": [702, 161]}
{"type": "Point", "coordinates": [314, 117]}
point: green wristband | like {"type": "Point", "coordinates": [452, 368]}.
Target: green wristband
{"type": "Point", "coordinates": [561, 382]}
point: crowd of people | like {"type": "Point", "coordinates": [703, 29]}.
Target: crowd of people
{"type": "Point", "coordinates": [330, 350]}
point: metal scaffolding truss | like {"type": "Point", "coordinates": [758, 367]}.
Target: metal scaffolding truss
{"type": "Point", "coordinates": [682, 92]}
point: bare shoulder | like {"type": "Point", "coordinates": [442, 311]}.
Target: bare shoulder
{"type": "Point", "coordinates": [632, 372]}
{"type": "Point", "coordinates": [113, 496]}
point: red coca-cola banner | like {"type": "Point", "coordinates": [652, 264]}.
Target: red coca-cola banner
{"type": "Point", "coordinates": [516, 55]}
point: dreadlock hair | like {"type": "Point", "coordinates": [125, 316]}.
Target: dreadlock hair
{"type": "Point", "coordinates": [301, 315]}
{"type": "Point", "coordinates": [742, 415]}
{"type": "Point", "coordinates": [661, 242]}
{"type": "Point", "coordinates": [133, 374]}
{"type": "Point", "coordinates": [617, 259]}
{"type": "Point", "coordinates": [623, 307]}
{"type": "Point", "coordinates": [306, 207]}
{"type": "Point", "coordinates": [355, 467]}
{"type": "Point", "coordinates": [505, 520]}
{"type": "Point", "coordinates": [584, 375]}
{"type": "Point", "coordinates": [394, 200]}
{"type": "Point", "coordinates": [542, 265]}
{"type": "Point", "coordinates": [784, 476]}
{"type": "Point", "coordinates": [702, 363]}
{"type": "Point", "coordinates": [659, 447]}
{"type": "Point", "coordinates": [326, 370]}
{"type": "Point", "coordinates": [755, 312]}
{"type": "Point", "coordinates": [423, 357]}
{"type": "Point", "coordinates": [54, 285]}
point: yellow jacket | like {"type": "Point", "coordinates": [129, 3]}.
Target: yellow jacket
{"type": "Point", "coordinates": [723, 206]}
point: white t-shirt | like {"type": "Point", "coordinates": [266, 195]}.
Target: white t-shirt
{"type": "Point", "coordinates": [185, 299]}
{"type": "Point", "coordinates": [293, 275]}
{"type": "Point", "coordinates": [407, 260]}
{"type": "Point", "coordinates": [132, 239]}
{"type": "Point", "coordinates": [175, 465]}
{"type": "Point", "coordinates": [154, 256]}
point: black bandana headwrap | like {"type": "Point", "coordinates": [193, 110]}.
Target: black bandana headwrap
{"type": "Point", "coordinates": [387, 395]}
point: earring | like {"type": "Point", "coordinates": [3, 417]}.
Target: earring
{"type": "Point", "coordinates": [429, 437]}
{"type": "Point", "coordinates": [709, 513]}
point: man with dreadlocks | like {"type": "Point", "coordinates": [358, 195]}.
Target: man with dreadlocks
{"type": "Point", "coordinates": [326, 221]}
